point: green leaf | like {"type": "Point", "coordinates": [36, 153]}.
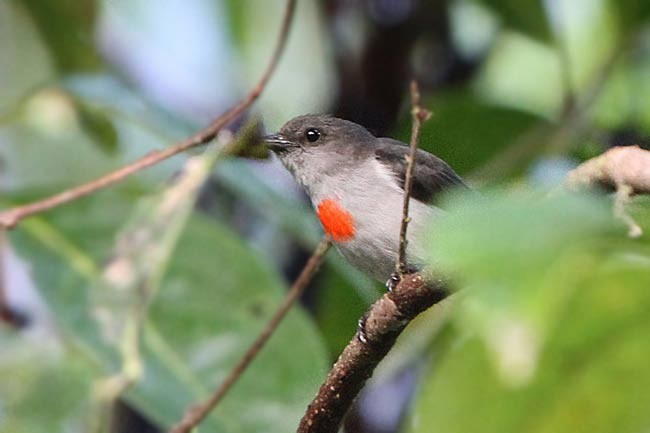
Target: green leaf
{"type": "Point", "coordinates": [252, 23]}
{"type": "Point", "coordinates": [338, 324]}
{"type": "Point", "coordinates": [467, 132]}
{"type": "Point", "coordinates": [130, 279]}
{"type": "Point", "coordinates": [146, 243]}
{"type": "Point", "coordinates": [550, 329]}
{"type": "Point", "coordinates": [593, 375]}
{"type": "Point", "coordinates": [632, 14]}
{"type": "Point", "coordinates": [214, 298]}
{"type": "Point", "coordinates": [527, 16]}
{"type": "Point", "coordinates": [525, 229]}
{"type": "Point", "coordinates": [24, 65]}
{"type": "Point", "coordinates": [40, 390]}
{"type": "Point", "coordinates": [99, 126]}
{"type": "Point", "coordinates": [539, 239]}
{"type": "Point", "coordinates": [237, 19]}
{"type": "Point", "coordinates": [501, 82]}
{"type": "Point", "coordinates": [66, 26]}
{"type": "Point", "coordinates": [45, 142]}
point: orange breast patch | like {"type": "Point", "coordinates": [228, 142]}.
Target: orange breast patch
{"type": "Point", "coordinates": [338, 222]}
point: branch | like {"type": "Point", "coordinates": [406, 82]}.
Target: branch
{"type": "Point", "coordinates": [385, 320]}
{"type": "Point", "coordinates": [197, 413]}
{"type": "Point", "coordinates": [623, 169]}
{"type": "Point", "coordinates": [420, 115]}
{"type": "Point", "coordinates": [629, 165]}
{"type": "Point", "coordinates": [11, 217]}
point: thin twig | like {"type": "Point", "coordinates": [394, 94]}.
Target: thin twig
{"type": "Point", "coordinates": [11, 217]}
{"type": "Point", "coordinates": [420, 115]}
{"type": "Point", "coordinates": [197, 413]}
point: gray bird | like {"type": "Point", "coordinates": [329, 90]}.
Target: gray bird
{"type": "Point", "coordinates": [356, 185]}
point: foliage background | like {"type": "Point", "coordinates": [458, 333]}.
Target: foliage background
{"type": "Point", "coordinates": [551, 331]}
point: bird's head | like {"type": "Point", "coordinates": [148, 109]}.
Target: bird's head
{"type": "Point", "coordinates": [314, 145]}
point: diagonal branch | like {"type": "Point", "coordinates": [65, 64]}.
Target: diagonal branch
{"type": "Point", "coordinates": [420, 115]}
{"type": "Point", "coordinates": [197, 413]}
{"type": "Point", "coordinates": [385, 320]}
{"type": "Point", "coordinates": [11, 217]}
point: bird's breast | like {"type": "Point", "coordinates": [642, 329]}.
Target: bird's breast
{"type": "Point", "coordinates": [361, 210]}
{"type": "Point", "coordinates": [336, 220]}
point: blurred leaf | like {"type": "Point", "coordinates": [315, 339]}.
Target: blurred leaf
{"type": "Point", "coordinates": [237, 19]}
{"type": "Point", "coordinates": [24, 61]}
{"type": "Point", "coordinates": [338, 306]}
{"type": "Point", "coordinates": [45, 148]}
{"type": "Point", "coordinates": [57, 128]}
{"type": "Point", "coordinates": [66, 26]}
{"type": "Point", "coordinates": [251, 144]}
{"type": "Point", "coordinates": [540, 239]}
{"type": "Point", "coordinates": [526, 229]}
{"type": "Point", "coordinates": [107, 93]}
{"type": "Point", "coordinates": [216, 297]}
{"type": "Point", "coordinates": [528, 16]}
{"type": "Point", "coordinates": [502, 83]}
{"type": "Point", "coordinates": [632, 14]}
{"type": "Point", "coordinates": [99, 127]}
{"type": "Point", "coordinates": [254, 26]}
{"type": "Point", "coordinates": [551, 327]}
{"type": "Point", "coordinates": [130, 280]}
{"type": "Point", "coordinates": [217, 294]}
{"type": "Point", "coordinates": [622, 104]}
{"type": "Point", "coordinates": [40, 389]}
{"type": "Point", "coordinates": [593, 375]}
{"type": "Point", "coordinates": [467, 132]}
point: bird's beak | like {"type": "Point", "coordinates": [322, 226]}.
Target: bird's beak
{"type": "Point", "coordinates": [277, 142]}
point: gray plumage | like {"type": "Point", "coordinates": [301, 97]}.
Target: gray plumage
{"type": "Point", "coordinates": [431, 175]}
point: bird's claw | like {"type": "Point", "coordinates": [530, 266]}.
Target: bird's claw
{"type": "Point", "coordinates": [393, 281]}
{"type": "Point", "coordinates": [361, 329]}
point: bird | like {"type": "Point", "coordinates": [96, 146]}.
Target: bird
{"type": "Point", "coordinates": [355, 182]}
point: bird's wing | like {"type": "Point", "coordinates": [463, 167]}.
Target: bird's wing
{"type": "Point", "coordinates": [431, 175]}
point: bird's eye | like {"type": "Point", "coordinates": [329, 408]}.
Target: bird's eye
{"type": "Point", "coordinates": [312, 135]}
